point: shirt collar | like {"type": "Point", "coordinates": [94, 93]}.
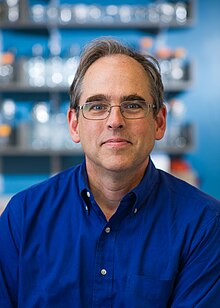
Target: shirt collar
{"type": "Point", "coordinates": [83, 177]}
{"type": "Point", "coordinates": [140, 193]}
{"type": "Point", "coordinates": [143, 190]}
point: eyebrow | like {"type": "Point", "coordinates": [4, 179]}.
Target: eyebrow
{"type": "Point", "coordinates": [133, 97]}
{"type": "Point", "coordinates": [107, 98]}
{"type": "Point", "coordinates": [97, 97]}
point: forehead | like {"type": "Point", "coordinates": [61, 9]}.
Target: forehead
{"type": "Point", "coordinates": [115, 74]}
{"type": "Point", "coordinates": [116, 62]}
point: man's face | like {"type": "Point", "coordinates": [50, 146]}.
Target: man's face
{"type": "Point", "coordinates": [116, 144]}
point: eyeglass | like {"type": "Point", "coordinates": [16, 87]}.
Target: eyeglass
{"type": "Point", "coordinates": [99, 110]}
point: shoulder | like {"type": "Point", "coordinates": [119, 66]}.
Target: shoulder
{"type": "Point", "coordinates": [40, 203]}
{"type": "Point", "coordinates": [51, 183]}
{"type": "Point", "coordinates": [185, 190]}
{"type": "Point", "coordinates": [192, 216]}
{"type": "Point", "coordinates": [187, 199]}
{"type": "Point", "coordinates": [46, 191]}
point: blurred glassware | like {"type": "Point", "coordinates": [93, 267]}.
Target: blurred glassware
{"type": "Point", "coordinates": [110, 14]}
{"type": "Point", "coordinates": [40, 136]}
{"type": "Point", "coordinates": [181, 12]}
{"type": "Point", "coordinates": [7, 123]}
{"type": "Point", "coordinates": [52, 14]}
{"type": "Point", "coordinates": [167, 13]}
{"type": "Point", "coordinates": [153, 13]}
{"type": "Point", "coordinates": [94, 14]}
{"type": "Point", "coordinates": [65, 14]}
{"type": "Point", "coordinates": [125, 13]}
{"type": "Point", "coordinates": [38, 13]}
{"type": "Point", "coordinates": [70, 64]}
{"type": "Point", "coordinates": [13, 10]}
{"type": "Point", "coordinates": [35, 67]}
{"type": "Point", "coordinates": [80, 13]}
{"type": "Point", "coordinates": [7, 67]}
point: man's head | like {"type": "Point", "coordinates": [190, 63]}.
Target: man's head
{"type": "Point", "coordinates": [117, 111]}
{"type": "Point", "coordinates": [105, 47]}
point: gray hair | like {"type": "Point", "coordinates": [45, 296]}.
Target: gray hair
{"type": "Point", "coordinates": [103, 47]}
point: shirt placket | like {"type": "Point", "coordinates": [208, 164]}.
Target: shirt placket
{"type": "Point", "coordinates": [104, 268]}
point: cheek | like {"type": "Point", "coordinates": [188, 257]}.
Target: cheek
{"type": "Point", "coordinates": [146, 132]}
{"type": "Point", "coordinates": [88, 131]}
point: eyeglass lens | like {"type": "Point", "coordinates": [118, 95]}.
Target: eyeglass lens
{"type": "Point", "coordinates": [129, 109]}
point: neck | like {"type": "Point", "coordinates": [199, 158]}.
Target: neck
{"type": "Point", "coordinates": [109, 187]}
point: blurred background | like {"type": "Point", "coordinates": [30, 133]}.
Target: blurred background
{"type": "Point", "coordinates": [40, 43]}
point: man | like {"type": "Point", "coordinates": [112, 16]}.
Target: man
{"type": "Point", "coordinates": [113, 231]}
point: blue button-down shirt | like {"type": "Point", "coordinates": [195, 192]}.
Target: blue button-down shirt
{"type": "Point", "coordinates": [160, 249]}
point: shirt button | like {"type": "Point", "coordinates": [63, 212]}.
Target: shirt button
{"type": "Point", "coordinates": [135, 210]}
{"type": "Point", "coordinates": [103, 272]}
{"type": "Point", "coordinates": [87, 208]}
{"type": "Point", "coordinates": [88, 194]}
{"type": "Point", "coordinates": [107, 229]}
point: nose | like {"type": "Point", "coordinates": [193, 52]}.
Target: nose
{"type": "Point", "coordinates": [115, 119]}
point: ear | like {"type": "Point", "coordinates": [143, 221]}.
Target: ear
{"type": "Point", "coordinates": [73, 125]}
{"type": "Point", "coordinates": [160, 123]}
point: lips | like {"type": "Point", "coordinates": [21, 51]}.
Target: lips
{"type": "Point", "coordinates": [116, 141]}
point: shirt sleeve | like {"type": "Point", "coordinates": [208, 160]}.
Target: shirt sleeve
{"type": "Point", "coordinates": [9, 255]}
{"type": "Point", "coordinates": [198, 281]}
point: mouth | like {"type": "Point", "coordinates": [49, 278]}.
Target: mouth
{"type": "Point", "coordinates": [116, 142]}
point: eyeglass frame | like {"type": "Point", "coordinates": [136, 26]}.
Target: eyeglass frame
{"type": "Point", "coordinates": [148, 105]}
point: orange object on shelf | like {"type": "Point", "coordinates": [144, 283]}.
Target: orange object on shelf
{"type": "Point", "coordinates": [182, 170]}
{"type": "Point", "coordinates": [179, 165]}
{"type": "Point", "coordinates": [7, 58]}
{"type": "Point", "coordinates": [5, 130]}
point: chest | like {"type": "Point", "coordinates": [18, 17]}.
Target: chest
{"type": "Point", "coordinates": [97, 264]}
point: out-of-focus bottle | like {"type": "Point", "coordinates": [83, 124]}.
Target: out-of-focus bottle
{"type": "Point", "coordinates": [164, 55]}
{"type": "Point", "coordinates": [38, 13]}
{"type": "Point", "coordinates": [173, 63]}
{"type": "Point", "coordinates": [54, 72]}
{"type": "Point", "coordinates": [166, 12]}
{"type": "Point", "coordinates": [80, 13]}
{"type": "Point", "coordinates": [6, 67]}
{"type": "Point", "coordinates": [153, 14]}
{"type": "Point", "coordinates": [5, 132]}
{"type": "Point", "coordinates": [54, 64]}
{"type": "Point", "coordinates": [13, 10]}
{"type": "Point", "coordinates": [7, 123]}
{"type": "Point", "coordinates": [35, 67]}
{"type": "Point", "coordinates": [70, 64]}
{"type": "Point", "coordinates": [176, 123]}
{"type": "Point", "coordinates": [179, 64]}
{"type": "Point", "coordinates": [41, 133]}
{"type": "Point", "coordinates": [52, 11]}
{"type": "Point", "coordinates": [181, 12]}
{"type": "Point", "coordinates": [125, 13]}
{"type": "Point", "coordinates": [110, 14]}
{"type": "Point", "coordinates": [65, 14]}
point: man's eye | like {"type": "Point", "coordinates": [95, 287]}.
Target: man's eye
{"type": "Point", "coordinates": [96, 106]}
{"type": "Point", "coordinates": [133, 105]}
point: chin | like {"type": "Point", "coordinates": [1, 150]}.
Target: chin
{"type": "Point", "coordinates": [118, 166]}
